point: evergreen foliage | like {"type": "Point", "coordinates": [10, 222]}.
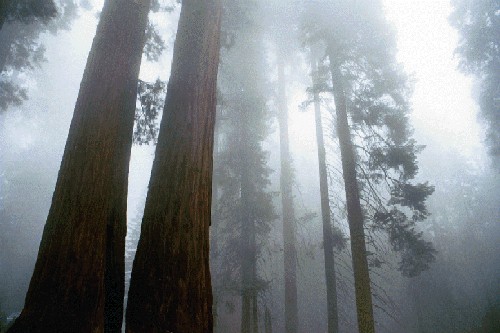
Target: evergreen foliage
{"type": "Point", "coordinates": [478, 22]}
{"type": "Point", "coordinates": [378, 94]}
{"type": "Point", "coordinates": [244, 206]}
{"type": "Point", "coordinates": [151, 99]}
{"type": "Point", "coordinates": [27, 11]}
{"type": "Point", "coordinates": [355, 49]}
{"type": "Point", "coordinates": [21, 25]}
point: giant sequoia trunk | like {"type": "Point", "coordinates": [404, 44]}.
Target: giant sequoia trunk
{"type": "Point", "coordinates": [77, 285]}
{"type": "Point", "coordinates": [331, 283]}
{"type": "Point", "coordinates": [354, 211]}
{"type": "Point", "coordinates": [290, 253]}
{"type": "Point", "coordinates": [170, 288]}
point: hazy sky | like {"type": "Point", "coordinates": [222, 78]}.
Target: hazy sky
{"type": "Point", "coordinates": [443, 107]}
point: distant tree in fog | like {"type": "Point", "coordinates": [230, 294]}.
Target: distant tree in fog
{"type": "Point", "coordinates": [21, 24]}
{"type": "Point", "coordinates": [288, 210]}
{"type": "Point", "coordinates": [26, 11]}
{"type": "Point", "coordinates": [462, 286]}
{"type": "Point", "coordinates": [77, 284]}
{"type": "Point", "coordinates": [326, 216]}
{"type": "Point", "coordinates": [370, 105]}
{"type": "Point", "coordinates": [246, 204]}
{"type": "Point", "coordinates": [478, 23]}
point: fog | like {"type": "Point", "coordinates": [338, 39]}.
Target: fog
{"type": "Point", "coordinates": [458, 292]}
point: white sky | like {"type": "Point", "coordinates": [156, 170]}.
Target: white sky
{"type": "Point", "coordinates": [443, 108]}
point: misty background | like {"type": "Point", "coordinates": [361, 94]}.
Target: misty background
{"type": "Point", "coordinates": [461, 287]}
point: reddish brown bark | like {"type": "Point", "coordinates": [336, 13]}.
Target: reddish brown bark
{"type": "Point", "coordinates": [354, 211]}
{"type": "Point", "coordinates": [77, 285]}
{"type": "Point", "coordinates": [170, 288]}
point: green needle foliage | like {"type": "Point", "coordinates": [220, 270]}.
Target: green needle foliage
{"type": "Point", "coordinates": [478, 22]}
{"type": "Point", "coordinates": [377, 93]}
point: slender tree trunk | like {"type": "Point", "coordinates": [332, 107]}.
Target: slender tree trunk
{"type": "Point", "coordinates": [354, 211]}
{"type": "Point", "coordinates": [170, 287]}
{"type": "Point", "coordinates": [3, 13]}
{"type": "Point", "coordinates": [268, 328]}
{"type": "Point", "coordinates": [248, 247]}
{"type": "Point", "coordinates": [289, 236]}
{"type": "Point", "coordinates": [78, 282]}
{"type": "Point", "coordinates": [255, 313]}
{"type": "Point", "coordinates": [331, 282]}
{"type": "Point", "coordinates": [7, 35]}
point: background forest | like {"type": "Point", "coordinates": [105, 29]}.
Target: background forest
{"type": "Point", "coordinates": [356, 148]}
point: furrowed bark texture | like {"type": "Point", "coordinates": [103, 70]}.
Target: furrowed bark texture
{"type": "Point", "coordinates": [170, 288]}
{"type": "Point", "coordinates": [331, 281]}
{"type": "Point", "coordinates": [77, 284]}
{"type": "Point", "coordinates": [354, 212]}
{"type": "Point", "coordinates": [289, 236]}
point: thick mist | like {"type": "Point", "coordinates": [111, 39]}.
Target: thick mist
{"type": "Point", "coordinates": [460, 290]}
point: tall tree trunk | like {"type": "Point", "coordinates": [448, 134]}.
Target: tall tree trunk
{"type": "Point", "coordinates": [268, 323]}
{"type": "Point", "coordinates": [7, 36]}
{"type": "Point", "coordinates": [3, 13]}
{"type": "Point", "coordinates": [248, 247]}
{"type": "Point", "coordinates": [289, 236]}
{"type": "Point", "coordinates": [78, 282]}
{"type": "Point", "coordinates": [255, 313]}
{"type": "Point", "coordinates": [170, 288]}
{"type": "Point", "coordinates": [331, 282]}
{"type": "Point", "coordinates": [354, 211]}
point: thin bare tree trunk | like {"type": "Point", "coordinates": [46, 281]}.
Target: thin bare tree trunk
{"type": "Point", "coordinates": [7, 35]}
{"type": "Point", "coordinates": [354, 211]}
{"type": "Point", "coordinates": [78, 282]}
{"type": "Point", "coordinates": [255, 313]}
{"type": "Point", "coordinates": [331, 283]}
{"type": "Point", "coordinates": [170, 288]}
{"type": "Point", "coordinates": [248, 247]}
{"type": "Point", "coordinates": [289, 233]}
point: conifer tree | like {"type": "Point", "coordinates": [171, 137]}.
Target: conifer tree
{"type": "Point", "coordinates": [170, 287]}
{"type": "Point", "coordinates": [21, 24]}
{"type": "Point", "coordinates": [328, 244]}
{"type": "Point", "coordinates": [77, 284]}
{"type": "Point", "coordinates": [288, 213]}
{"type": "Point", "coordinates": [478, 22]}
{"type": "Point", "coordinates": [370, 111]}
{"type": "Point", "coordinates": [244, 207]}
